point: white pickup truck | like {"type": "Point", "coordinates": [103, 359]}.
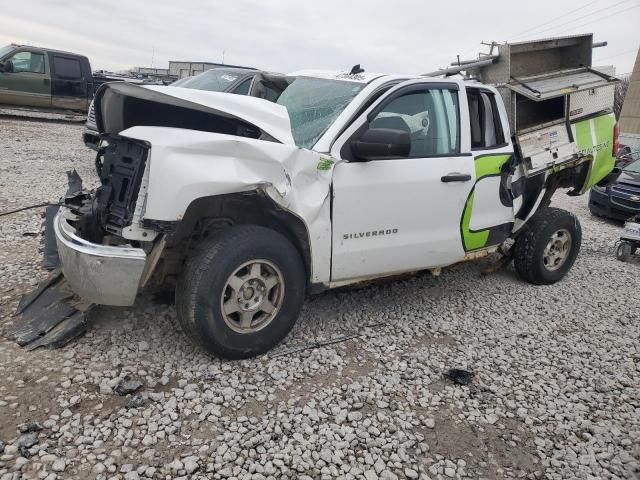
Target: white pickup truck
{"type": "Point", "coordinates": [246, 206]}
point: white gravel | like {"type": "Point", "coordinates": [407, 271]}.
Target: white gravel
{"type": "Point", "coordinates": [556, 392]}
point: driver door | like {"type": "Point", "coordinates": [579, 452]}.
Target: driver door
{"type": "Point", "coordinates": [29, 83]}
{"type": "Point", "coordinates": [403, 213]}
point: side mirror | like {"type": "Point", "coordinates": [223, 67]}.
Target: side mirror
{"type": "Point", "coordinates": [377, 143]}
{"type": "Point", "coordinates": [7, 66]}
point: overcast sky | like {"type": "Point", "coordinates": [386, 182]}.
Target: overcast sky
{"type": "Point", "coordinates": [401, 36]}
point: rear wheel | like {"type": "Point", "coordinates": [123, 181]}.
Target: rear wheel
{"type": "Point", "coordinates": [546, 250]}
{"type": "Point", "coordinates": [624, 251]}
{"type": "Point", "coordinates": [242, 293]}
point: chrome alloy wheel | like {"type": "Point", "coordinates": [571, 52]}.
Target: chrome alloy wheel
{"type": "Point", "coordinates": [557, 250]}
{"type": "Point", "coordinates": [252, 296]}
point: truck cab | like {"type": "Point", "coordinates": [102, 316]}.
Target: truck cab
{"type": "Point", "coordinates": [44, 78]}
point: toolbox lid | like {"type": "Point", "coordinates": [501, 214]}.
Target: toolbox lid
{"type": "Point", "coordinates": [559, 83]}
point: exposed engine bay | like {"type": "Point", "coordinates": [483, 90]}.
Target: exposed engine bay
{"type": "Point", "coordinates": [120, 166]}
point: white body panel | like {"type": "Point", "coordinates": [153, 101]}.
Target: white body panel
{"type": "Point", "coordinates": [405, 197]}
{"type": "Point", "coordinates": [188, 164]}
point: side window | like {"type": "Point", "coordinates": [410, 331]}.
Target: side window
{"type": "Point", "coordinates": [429, 116]}
{"type": "Point", "coordinates": [28, 62]}
{"type": "Point", "coordinates": [67, 68]}
{"type": "Point", "coordinates": [243, 88]}
{"type": "Point", "coordinates": [486, 129]}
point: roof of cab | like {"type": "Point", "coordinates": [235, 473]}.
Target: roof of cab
{"type": "Point", "coordinates": [53, 50]}
{"type": "Point", "coordinates": [364, 77]}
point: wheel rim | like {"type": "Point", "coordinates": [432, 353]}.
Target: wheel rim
{"type": "Point", "coordinates": [557, 250]}
{"type": "Point", "coordinates": [252, 296]}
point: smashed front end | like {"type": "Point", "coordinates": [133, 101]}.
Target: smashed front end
{"type": "Point", "coordinates": [100, 264]}
{"type": "Point", "coordinates": [105, 237]}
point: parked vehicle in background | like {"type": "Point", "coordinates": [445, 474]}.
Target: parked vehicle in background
{"type": "Point", "coordinates": [626, 156]}
{"type": "Point", "coordinates": [44, 78]}
{"type": "Point", "coordinates": [241, 81]}
{"type": "Point", "coordinates": [180, 81]}
{"type": "Point", "coordinates": [621, 200]}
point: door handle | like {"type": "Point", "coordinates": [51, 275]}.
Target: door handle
{"type": "Point", "coordinates": [45, 81]}
{"type": "Point", "coordinates": [456, 177]}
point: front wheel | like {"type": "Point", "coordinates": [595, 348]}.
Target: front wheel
{"type": "Point", "coordinates": [242, 293]}
{"type": "Point", "coordinates": [547, 248]}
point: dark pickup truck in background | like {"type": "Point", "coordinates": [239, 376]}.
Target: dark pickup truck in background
{"type": "Point", "coordinates": [44, 78]}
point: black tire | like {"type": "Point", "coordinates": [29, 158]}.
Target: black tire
{"type": "Point", "coordinates": [204, 281]}
{"type": "Point", "coordinates": [529, 256]}
{"type": "Point", "coordinates": [624, 251]}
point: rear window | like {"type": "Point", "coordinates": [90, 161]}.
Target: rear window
{"type": "Point", "coordinates": [65, 67]}
{"type": "Point", "coordinates": [486, 128]}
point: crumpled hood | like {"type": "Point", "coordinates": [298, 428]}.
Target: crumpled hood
{"type": "Point", "coordinates": [116, 113]}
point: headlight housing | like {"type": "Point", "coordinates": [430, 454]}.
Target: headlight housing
{"type": "Point", "coordinates": [600, 189]}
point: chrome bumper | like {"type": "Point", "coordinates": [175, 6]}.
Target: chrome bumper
{"type": "Point", "coordinates": [102, 274]}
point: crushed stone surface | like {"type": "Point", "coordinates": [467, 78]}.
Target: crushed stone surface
{"type": "Point", "coordinates": [555, 391]}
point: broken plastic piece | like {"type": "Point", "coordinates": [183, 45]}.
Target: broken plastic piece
{"type": "Point", "coordinates": [50, 316]}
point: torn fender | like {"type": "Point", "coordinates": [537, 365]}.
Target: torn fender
{"type": "Point", "coordinates": [186, 165]}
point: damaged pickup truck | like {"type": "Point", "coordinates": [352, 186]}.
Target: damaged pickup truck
{"type": "Point", "coordinates": [246, 205]}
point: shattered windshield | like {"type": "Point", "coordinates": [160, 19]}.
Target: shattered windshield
{"type": "Point", "coordinates": [314, 103]}
{"type": "Point", "coordinates": [215, 80]}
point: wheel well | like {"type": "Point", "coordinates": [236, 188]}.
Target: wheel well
{"type": "Point", "coordinates": [207, 215]}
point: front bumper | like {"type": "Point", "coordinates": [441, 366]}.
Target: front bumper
{"type": "Point", "coordinates": [603, 204]}
{"type": "Point", "coordinates": [102, 274]}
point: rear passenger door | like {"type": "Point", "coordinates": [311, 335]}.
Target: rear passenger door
{"type": "Point", "coordinates": [69, 85]}
{"type": "Point", "coordinates": [489, 211]}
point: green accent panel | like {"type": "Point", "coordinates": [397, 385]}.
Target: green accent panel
{"type": "Point", "coordinates": [603, 160]}
{"type": "Point", "coordinates": [486, 165]}
{"type": "Point", "coordinates": [472, 240]}
{"type": "Point", "coordinates": [490, 165]}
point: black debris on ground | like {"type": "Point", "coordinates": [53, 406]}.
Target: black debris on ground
{"type": "Point", "coordinates": [459, 376]}
{"type": "Point", "coordinates": [127, 385]}
{"type": "Point", "coordinates": [25, 442]}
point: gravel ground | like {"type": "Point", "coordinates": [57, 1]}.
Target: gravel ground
{"type": "Point", "coordinates": [555, 395]}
